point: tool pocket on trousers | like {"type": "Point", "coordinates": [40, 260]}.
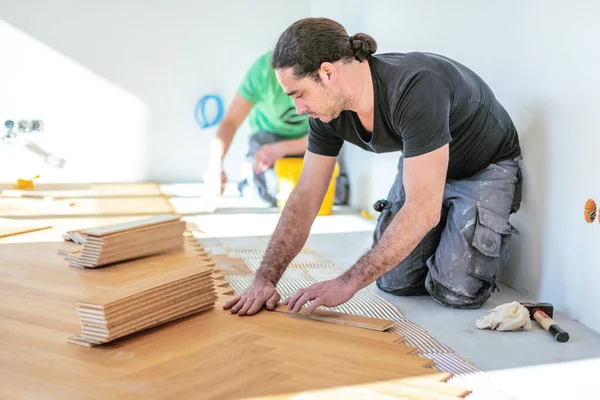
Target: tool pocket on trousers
{"type": "Point", "coordinates": [490, 229]}
{"type": "Point", "coordinates": [492, 233]}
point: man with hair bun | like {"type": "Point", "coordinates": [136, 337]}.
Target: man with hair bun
{"type": "Point", "coordinates": [444, 228]}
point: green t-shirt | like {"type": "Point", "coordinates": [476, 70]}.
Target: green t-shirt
{"type": "Point", "coordinates": [273, 110]}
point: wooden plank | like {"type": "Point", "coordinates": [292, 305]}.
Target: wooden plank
{"type": "Point", "coordinates": [140, 232]}
{"type": "Point", "coordinates": [438, 387]}
{"type": "Point", "coordinates": [426, 389]}
{"type": "Point", "coordinates": [398, 389]}
{"type": "Point", "coordinates": [85, 207]}
{"type": "Point", "coordinates": [126, 247]}
{"type": "Point", "coordinates": [340, 318]}
{"type": "Point", "coordinates": [131, 313]}
{"type": "Point", "coordinates": [201, 295]}
{"type": "Point", "coordinates": [144, 286]}
{"type": "Point", "coordinates": [173, 244]}
{"type": "Point", "coordinates": [218, 275]}
{"type": "Point", "coordinates": [81, 339]}
{"type": "Point", "coordinates": [150, 318]}
{"type": "Point", "coordinates": [126, 243]}
{"type": "Point", "coordinates": [226, 291]}
{"type": "Point", "coordinates": [165, 295]}
{"type": "Point", "coordinates": [139, 321]}
{"type": "Point", "coordinates": [149, 324]}
{"type": "Point", "coordinates": [12, 228]}
{"type": "Point", "coordinates": [379, 336]}
{"type": "Point", "coordinates": [116, 228]}
{"type": "Point", "coordinates": [129, 240]}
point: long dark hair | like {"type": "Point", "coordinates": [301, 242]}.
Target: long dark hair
{"type": "Point", "coordinates": [311, 41]}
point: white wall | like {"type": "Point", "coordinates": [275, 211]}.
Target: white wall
{"type": "Point", "coordinates": [116, 82]}
{"type": "Point", "coordinates": [540, 58]}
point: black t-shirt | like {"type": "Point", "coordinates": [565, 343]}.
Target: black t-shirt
{"type": "Point", "coordinates": [422, 102]}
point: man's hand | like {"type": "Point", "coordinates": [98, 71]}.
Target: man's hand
{"type": "Point", "coordinates": [215, 180]}
{"type": "Point", "coordinates": [330, 293]}
{"type": "Point", "coordinates": [266, 156]}
{"type": "Point", "coordinates": [254, 298]}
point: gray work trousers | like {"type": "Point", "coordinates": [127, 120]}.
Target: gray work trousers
{"type": "Point", "coordinates": [265, 183]}
{"type": "Point", "coordinates": [458, 262]}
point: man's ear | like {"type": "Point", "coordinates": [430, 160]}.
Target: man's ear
{"type": "Point", "coordinates": [327, 72]}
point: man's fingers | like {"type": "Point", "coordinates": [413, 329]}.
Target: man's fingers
{"type": "Point", "coordinates": [255, 307]}
{"type": "Point", "coordinates": [273, 300]}
{"type": "Point", "coordinates": [292, 300]}
{"type": "Point", "coordinates": [314, 305]}
{"type": "Point", "coordinates": [235, 309]}
{"type": "Point", "coordinates": [256, 162]}
{"type": "Point", "coordinates": [231, 302]}
{"type": "Point", "coordinates": [246, 307]}
{"type": "Point", "coordinates": [305, 298]}
{"type": "Point", "coordinates": [260, 165]}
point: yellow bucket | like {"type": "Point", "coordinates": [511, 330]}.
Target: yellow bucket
{"type": "Point", "coordinates": [288, 172]}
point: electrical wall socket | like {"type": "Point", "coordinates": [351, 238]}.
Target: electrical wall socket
{"type": "Point", "coordinates": [37, 125]}
{"type": "Point", "coordinates": [24, 126]}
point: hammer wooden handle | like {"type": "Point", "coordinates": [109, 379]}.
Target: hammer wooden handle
{"type": "Point", "coordinates": [548, 324]}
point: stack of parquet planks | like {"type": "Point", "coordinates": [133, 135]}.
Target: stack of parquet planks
{"type": "Point", "coordinates": [120, 242]}
{"type": "Point", "coordinates": [145, 303]}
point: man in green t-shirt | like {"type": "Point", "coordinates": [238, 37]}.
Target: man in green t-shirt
{"type": "Point", "coordinates": [277, 131]}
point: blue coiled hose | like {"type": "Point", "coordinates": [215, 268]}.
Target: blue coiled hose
{"type": "Point", "coordinates": [200, 112]}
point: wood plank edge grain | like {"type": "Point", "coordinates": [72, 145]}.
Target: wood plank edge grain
{"type": "Point", "coordinates": [131, 225]}
{"type": "Point", "coordinates": [80, 341]}
{"type": "Point", "coordinates": [341, 318]}
{"type": "Point", "coordinates": [157, 324]}
{"type": "Point", "coordinates": [144, 286]}
{"type": "Point", "coordinates": [21, 231]}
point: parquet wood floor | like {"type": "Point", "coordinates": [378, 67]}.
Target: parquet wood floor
{"type": "Point", "coordinates": [212, 355]}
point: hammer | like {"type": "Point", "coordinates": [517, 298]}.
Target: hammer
{"type": "Point", "coordinates": [542, 313]}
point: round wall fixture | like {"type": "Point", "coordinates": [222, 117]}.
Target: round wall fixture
{"type": "Point", "coordinates": [590, 211]}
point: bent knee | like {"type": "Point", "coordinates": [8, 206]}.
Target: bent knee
{"type": "Point", "coordinates": [459, 302]}
{"type": "Point", "coordinates": [414, 290]}
{"type": "Point", "coordinates": [450, 298]}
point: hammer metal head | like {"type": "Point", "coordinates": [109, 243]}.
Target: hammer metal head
{"type": "Point", "coordinates": [533, 307]}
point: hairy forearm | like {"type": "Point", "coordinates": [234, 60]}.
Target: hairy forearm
{"type": "Point", "coordinates": [402, 235]}
{"type": "Point", "coordinates": [287, 240]}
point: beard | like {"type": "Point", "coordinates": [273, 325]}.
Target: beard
{"type": "Point", "coordinates": [335, 103]}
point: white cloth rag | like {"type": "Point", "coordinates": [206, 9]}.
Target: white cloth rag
{"type": "Point", "coordinates": [506, 317]}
